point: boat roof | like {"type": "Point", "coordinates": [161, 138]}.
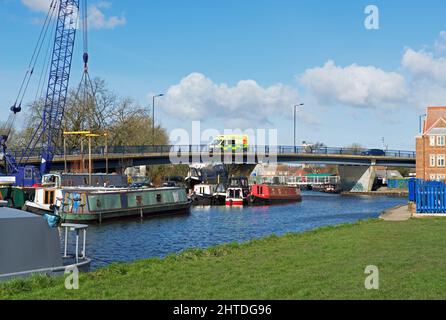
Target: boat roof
{"type": "Point", "coordinates": [115, 190]}
{"type": "Point", "coordinates": [8, 213]}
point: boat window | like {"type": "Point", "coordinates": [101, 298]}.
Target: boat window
{"type": "Point", "coordinates": [159, 197]}
{"type": "Point", "coordinates": [28, 173]}
{"type": "Point", "coordinates": [49, 197]}
{"type": "Point", "coordinates": [237, 194]}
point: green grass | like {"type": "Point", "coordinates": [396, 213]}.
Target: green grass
{"type": "Point", "coordinates": [328, 263]}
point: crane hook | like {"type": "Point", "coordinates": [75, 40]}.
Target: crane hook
{"type": "Point", "coordinates": [16, 109]}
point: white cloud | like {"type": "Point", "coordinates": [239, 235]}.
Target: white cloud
{"type": "Point", "coordinates": [97, 19]}
{"type": "Point", "coordinates": [440, 43]}
{"type": "Point", "coordinates": [355, 85]}
{"type": "Point", "coordinates": [246, 104]}
{"type": "Point", "coordinates": [423, 64]}
{"type": "Point", "coordinates": [37, 5]}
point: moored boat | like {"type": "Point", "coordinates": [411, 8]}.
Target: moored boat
{"type": "Point", "coordinates": [237, 192]}
{"type": "Point", "coordinates": [264, 194]}
{"type": "Point", "coordinates": [203, 194]}
{"type": "Point", "coordinates": [86, 205]}
{"type": "Point", "coordinates": [219, 197]}
{"type": "Point", "coordinates": [29, 246]}
{"type": "Point", "coordinates": [95, 204]}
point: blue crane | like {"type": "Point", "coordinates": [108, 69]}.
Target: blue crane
{"type": "Point", "coordinates": [42, 141]}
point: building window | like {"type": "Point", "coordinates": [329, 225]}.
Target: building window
{"type": "Point", "coordinates": [440, 141]}
{"type": "Point", "coordinates": [441, 161]}
{"type": "Point", "coordinates": [432, 141]}
{"type": "Point", "coordinates": [432, 160]}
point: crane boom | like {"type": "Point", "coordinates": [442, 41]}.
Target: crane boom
{"type": "Point", "coordinates": [57, 90]}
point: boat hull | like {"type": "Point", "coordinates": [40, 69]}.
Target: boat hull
{"type": "Point", "coordinates": [235, 202]}
{"type": "Point", "coordinates": [253, 200]}
{"type": "Point", "coordinates": [263, 194]}
{"type": "Point", "coordinates": [171, 209]}
{"type": "Point", "coordinates": [78, 205]}
{"type": "Point", "coordinates": [202, 200]}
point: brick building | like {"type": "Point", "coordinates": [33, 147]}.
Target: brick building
{"type": "Point", "coordinates": [431, 146]}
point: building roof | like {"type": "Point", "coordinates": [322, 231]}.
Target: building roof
{"type": "Point", "coordinates": [436, 117]}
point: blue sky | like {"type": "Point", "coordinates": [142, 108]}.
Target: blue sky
{"type": "Point", "coordinates": [243, 64]}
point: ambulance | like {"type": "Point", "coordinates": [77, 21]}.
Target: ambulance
{"type": "Point", "coordinates": [230, 143]}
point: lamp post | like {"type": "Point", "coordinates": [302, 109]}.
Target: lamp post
{"type": "Point", "coordinates": [295, 115]}
{"type": "Point", "coordinates": [106, 152]}
{"type": "Point", "coordinates": [153, 116]}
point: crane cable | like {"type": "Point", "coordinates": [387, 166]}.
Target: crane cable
{"type": "Point", "coordinates": [85, 83]}
{"type": "Point", "coordinates": [17, 107]}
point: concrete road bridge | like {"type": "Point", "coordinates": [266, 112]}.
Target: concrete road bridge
{"type": "Point", "coordinates": [356, 166]}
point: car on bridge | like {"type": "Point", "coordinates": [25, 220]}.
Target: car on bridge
{"type": "Point", "coordinates": [374, 152]}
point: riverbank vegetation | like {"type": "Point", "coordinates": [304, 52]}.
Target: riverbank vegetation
{"type": "Point", "coordinates": [328, 263]}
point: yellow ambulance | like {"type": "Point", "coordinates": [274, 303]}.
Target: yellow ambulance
{"type": "Point", "coordinates": [232, 142]}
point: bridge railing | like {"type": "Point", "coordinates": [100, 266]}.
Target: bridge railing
{"type": "Point", "coordinates": [166, 149]}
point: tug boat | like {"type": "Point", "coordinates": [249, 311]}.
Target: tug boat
{"type": "Point", "coordinates": [203, 194]}
{"type": "Point", "coordinates": [263, 194]}
{"type": "Point", "coordinates": [238, 192]}
{"type": "Point", "coordinates": [219, 198]}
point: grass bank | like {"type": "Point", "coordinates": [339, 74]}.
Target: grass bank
{"type": "Point", "coordinates": [324, 264]}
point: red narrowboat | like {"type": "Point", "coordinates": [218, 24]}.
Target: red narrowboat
{"type": "Point", "coordinates": [267, 194]}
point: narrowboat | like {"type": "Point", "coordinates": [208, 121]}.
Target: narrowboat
{"type": "Point", "coordinates": [238, 192]}
{"type": "Point", "coordinates": [94, 204]}
{"type": "Point", "coordinates": [263, 194]}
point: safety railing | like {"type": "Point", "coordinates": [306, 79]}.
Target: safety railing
{"type": "Point", "coordinates": [279, 150]}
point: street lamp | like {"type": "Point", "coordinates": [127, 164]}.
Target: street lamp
{"type": "Point", "coordinates": [295, 114]}
{"type": "Point", "coordinates": [153, 116]}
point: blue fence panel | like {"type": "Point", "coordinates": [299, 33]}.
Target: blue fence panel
{"type": "Point", "coordinates": [412, 185]}
{"type": "Point", "coordinates": [430, 197]}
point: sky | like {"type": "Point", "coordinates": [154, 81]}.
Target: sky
{"type": "Point", "coordinates": [235, 64]}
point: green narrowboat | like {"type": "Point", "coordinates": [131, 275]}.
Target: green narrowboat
{"type": "Point", "coordinates": [85, 205]}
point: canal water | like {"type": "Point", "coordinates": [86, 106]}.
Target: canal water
{"type": "Point", "coordinates": [132, 240]}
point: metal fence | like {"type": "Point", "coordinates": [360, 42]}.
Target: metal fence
{"type": "Point", "coordinates": [430, 196]}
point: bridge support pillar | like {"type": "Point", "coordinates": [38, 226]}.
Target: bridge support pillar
{"type": "Point", "coordinates": [357, 178]}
